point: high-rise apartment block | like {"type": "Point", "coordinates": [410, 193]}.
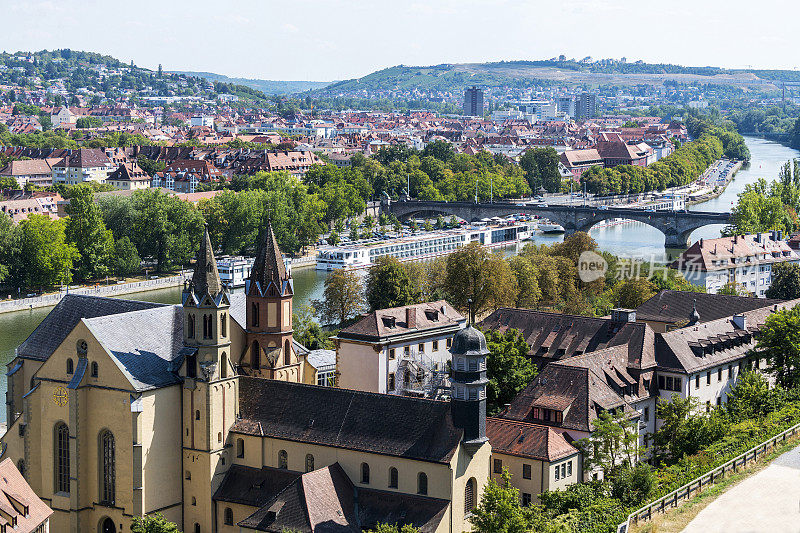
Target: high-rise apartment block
{"type": "Point", "coordinates": [473, 102]}
{"type": "Point", "coordinates": [585, 106]}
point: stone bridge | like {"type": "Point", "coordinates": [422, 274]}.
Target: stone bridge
{"type": "Point", "coordinates": [675, 225]}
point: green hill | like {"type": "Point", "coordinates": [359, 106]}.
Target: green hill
{"type": "Point", "coordinates": [265, 86]}
{"type": "Point", "coordinates": [456, 77]}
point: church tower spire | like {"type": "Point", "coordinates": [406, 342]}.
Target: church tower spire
{"type": "Point", "coordinates": [210, 384]}
{"type": "Point", "coordinates": [205, 279]}
{"type": "Point", "coordinates": [270, 352]}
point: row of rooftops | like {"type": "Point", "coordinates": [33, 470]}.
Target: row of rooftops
{"type": "Point", "coordinates": [618, 366]}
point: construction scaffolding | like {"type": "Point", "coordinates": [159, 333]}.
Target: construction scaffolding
{"type": "Point", "coordinates": [422, 377]}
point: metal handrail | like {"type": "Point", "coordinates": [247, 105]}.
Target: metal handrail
{"type": "Point", "coordinates": [646, 512]}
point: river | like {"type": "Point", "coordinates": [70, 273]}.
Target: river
{"type": "Point", "coordinates": [632, 239]}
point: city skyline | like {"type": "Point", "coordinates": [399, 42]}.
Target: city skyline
{"type": "Point", "coordinates": [343, 39]}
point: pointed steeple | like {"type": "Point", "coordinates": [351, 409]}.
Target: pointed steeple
{"type": "Point", "coordinates": [268, 265]}
{"type": "Point", "coordinates": [206, 276]}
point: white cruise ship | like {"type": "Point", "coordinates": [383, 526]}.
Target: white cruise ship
{"type": "Point", "coordinates": [234, 270]}
{"type": "Point", "coordinates": [422, 246]}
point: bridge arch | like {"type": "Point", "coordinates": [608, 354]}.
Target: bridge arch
{"type": "Point", "coordinates": [676, 226]}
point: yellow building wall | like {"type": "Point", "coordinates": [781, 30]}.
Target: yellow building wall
{"type": "Point", "coordinates": [161, 451]}
{"type": "Point", "coordinates": [514, 465]}
{"type": "Point", "coordinates": [358, 367]}
{"type": "Point", "coordinates": [465, 466]}
{"type": "Point", "coordinates": [551, 483]}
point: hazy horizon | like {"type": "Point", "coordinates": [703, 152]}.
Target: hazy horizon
{"type": "Point", "coordinates": [343, 39]}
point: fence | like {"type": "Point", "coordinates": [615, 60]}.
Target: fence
{"type": "Point", "coordinates": [47, 300]}
{"type": "Point", "coordinates": [709, 478]}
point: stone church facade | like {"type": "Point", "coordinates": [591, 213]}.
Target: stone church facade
{"type": "Point", "coordinates": [199, 411]}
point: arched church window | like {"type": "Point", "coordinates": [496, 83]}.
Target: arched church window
{"type": "Point", "coordinates": [393, 478]}
{"type": "Point", "coordinates": [254, 314]}
{"type": "Point", "coordinates": [240, 448]}
{"type": "Point", "coordinates": [228, 516]}
{"type": "Point", "coordinates": [287, 353]}
{"type": "Point", "coordinates": [70, 366]}
{"type": "Point", "coordinates": [283, 459]}
{"type": "Point", "coordinates": [309, 462]}
{"type": "Point", "coordinates": [223, 365]}
{"type": "Point", "coordinates": [364, 473]}
{"type": "Point", "coordinates": [223, 324]}
{"type": "Point", "coordinates": [469, 496]}
{"type": "Point", "coordinates": [95, 370]}
{"type": "Point", "coordinates": [107, 468]}
{"type": "Point", "coordinates": [255, 356]}
{"type": "Point", "coordinates": [190, 327]}
{"type": "Point", "coordinates": [422, 483]}
{"type": "Point", "coordinates": [61, 457]}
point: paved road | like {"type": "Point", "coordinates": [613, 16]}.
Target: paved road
{"type": "Point", "coordinates": [768, 501]}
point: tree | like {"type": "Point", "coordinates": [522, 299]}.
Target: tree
{"type": "Point", "coordinates": [733, 289]}
{"type": "Point", "coordinates": [9, 245]}
{"type": "Point", "coordinates": [507, 367]}
{"type": "Point", "coordinates": [341, 298]}
{"type": "Point", "coordinates": [473, 273]}
{"type": "Point", "coordinates": [45, 257]}
{"type": "Point", "coordinates": [674, 414]}
{"type": "Point", "coordinates": [779, 343]}
{"type": "Point", "coordinates": [127, 260]}
{"type": "Point", "coordinates": [500, 510]}
{"type": "Point", "coordinates": [632, 485]}
{"type": "Point", "coordinates": [388, 284]}
{"type": "Point", "coordinates": [307, 330]}
{"type": "Point", "coordinates": [529, 293]}
{"type": "Point", "coordinates": [153, 524]}
{"type": "Point", "coordinates": [633, 292]}
{"type": "Point", "coordinates": [393, 528]}
{"type": "Point", "coordinates": [87, 231]}
{"type": "Point", "coordinates": [785, 282]}
{"type": "Point", "coordinates": [750, 397]}
{"type": "Point", "coordinates": [614, 441]}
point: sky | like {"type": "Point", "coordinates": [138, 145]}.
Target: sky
{"type": "Point", "coordinates": [325, 40]}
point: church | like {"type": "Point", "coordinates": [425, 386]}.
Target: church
{"type": "Point", "coordinates": [205, 412]}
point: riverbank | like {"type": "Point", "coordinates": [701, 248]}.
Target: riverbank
{"type": "Point", "coordinates": [49, 300]}
{"type": "Point", "coordinates": [718, 190]}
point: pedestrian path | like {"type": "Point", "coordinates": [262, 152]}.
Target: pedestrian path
{"type": "Point", "coordinates": [768, 501]}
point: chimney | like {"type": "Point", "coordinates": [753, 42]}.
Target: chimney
{"type": "Point", "coordinates": [411, 317]}
{"type": "Point", "coordinates": [740, 321]}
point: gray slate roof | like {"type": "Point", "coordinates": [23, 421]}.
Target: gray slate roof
{"type": "Point", "coordinates": [60, 321]}
{"type": "Point", "coordinates": [146, 345]}
{"type": "Point", "coordinates": [675, 306]}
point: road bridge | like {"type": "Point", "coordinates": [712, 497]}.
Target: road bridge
{"type": "Point", "coordinates": [675, 225]}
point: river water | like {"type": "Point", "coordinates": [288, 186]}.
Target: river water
{"type": "Point", "coordinates": [631, 239]}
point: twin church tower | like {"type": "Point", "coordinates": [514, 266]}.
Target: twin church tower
{"type": "Point", "coordinates": [217, 350]}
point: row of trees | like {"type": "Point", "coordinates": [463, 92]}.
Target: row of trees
{"type": "Point", "coordinates": [539, 277]}
{"type": "Point", "coordinates": [764, 206]}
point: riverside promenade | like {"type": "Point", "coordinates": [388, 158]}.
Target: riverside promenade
{"type": "Point", "coordinates": [47, 300]}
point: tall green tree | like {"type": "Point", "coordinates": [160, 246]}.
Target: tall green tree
{"type": "Point", "coordinates": [614, 442]}
{"type": "Point", "coordinates": [342, 297]}
{"type": "Point", "coordinates": [507, 367]}
{"type": "Point", "coordinates": [87, 231]}
{"type": "Point", "coordinates": [499, 510]}
{"type": "Point", "coordinates": [9, 246]}
{"type": "Point", "coordinates": [388, 284]}
{"type": "Point", "coordinates": [486, 278]}
{"type": "Point", "coordinates": [779, 343]}
{"type": "Point", "coordinates": [45, 256]}
{"type": "Point", "coordinates": [785, 282]}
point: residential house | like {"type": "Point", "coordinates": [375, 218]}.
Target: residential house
{"type": "Point", "coordinates": [21, 510]}
{"type": "Point", "coordinates": [402, 350]}
{"type": "Point", "coordinates": [746, 261]}
{"type": "Point", "coordinates": [129, 177]}
{"type": "Point", "coordinates": [83, 165]}
{"type": "Point", "coordinates": [34, 171]}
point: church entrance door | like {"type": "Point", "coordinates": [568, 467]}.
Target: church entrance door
{"type": "Point", "coordinates": [107, 526]}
